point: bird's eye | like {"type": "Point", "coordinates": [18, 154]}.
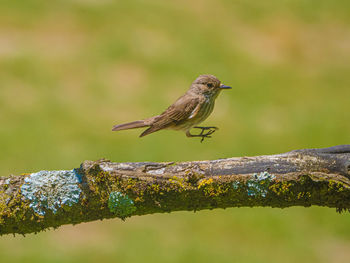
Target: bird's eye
{"type": "Point", "coordinates": [210, 85]}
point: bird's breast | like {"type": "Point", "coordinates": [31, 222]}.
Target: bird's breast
{"type": "Point", "coordinates": [205, 110]}
{"type": "Point", "coordinates": [197, 116]}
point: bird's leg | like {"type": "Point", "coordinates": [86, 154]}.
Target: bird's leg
{"type": "Point", "coordinates": [188, 134]}
{"type": "Point", "coordinates": [211, 129]}
{"type": "Point", "coordinates": [203, 135]}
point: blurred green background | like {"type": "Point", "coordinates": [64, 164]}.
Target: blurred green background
{"type": "Point", "coordinates": [71, 69]}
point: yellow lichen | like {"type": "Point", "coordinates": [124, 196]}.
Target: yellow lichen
{"type": "Point", "coordinates": [304, 195]}
{"type": "Point", "coordinates": [337, 186]}
{"type": "Point", "coordinates": [130, 184]}
{"type": "Point", "coordinates": [205, 182]}
{"type": "Point", "coordinates": [138, 199]}
{"type": "Point", "coordinates": [177, 181]}
{"type": "Point", "coordinates": [212, 189]}
{"type": "Point", "coordinates": [280, 188]}
{"type": "Point", "coordinates": [153, 188]}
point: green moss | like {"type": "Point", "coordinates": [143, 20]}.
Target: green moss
{"type": "Point", "coordinates": [100, 179]}
{"type": "Point", "coordinates": [99, 187]}
{"type": "Point", "coordinates": [121, 205]}
{"type": "Point", "coordinates": [107, 195]}
{"type": "Point", "coordinates": [236, 185]}
{"type": "Point", "coordinates": [3, 206]}
{"type": "Point", "coordinates": [14, 212]}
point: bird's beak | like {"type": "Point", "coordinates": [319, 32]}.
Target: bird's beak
{"type": "Point", "coordinates": [222, 86]}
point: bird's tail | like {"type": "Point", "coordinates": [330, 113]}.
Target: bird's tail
{"type": "Point", "coordinates": [130, 125]}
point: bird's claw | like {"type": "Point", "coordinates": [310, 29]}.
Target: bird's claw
{"type": "Point", "coordinates": [203, 135]}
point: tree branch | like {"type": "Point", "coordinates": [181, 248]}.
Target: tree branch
{"type": "Point", "coordinates": [103, 189]}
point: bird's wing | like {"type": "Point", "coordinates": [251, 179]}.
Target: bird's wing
{"type": "Point", "coordinates": [183, 109]}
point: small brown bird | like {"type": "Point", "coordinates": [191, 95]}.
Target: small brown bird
{"type": "Point", "coordinates": [189, 110]}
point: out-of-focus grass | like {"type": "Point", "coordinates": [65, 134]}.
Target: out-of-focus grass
{"type": "Point", "coordinates": [69, 70]}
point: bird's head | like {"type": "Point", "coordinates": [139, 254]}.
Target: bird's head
{"type": "Point", "coordinates": [208, 85]}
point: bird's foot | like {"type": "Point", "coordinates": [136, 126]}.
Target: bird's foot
{"type": "Point", "coordinates": [210, 130]}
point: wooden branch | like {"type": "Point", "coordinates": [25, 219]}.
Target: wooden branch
{"type": "Point", "coordinates": [103, 189]}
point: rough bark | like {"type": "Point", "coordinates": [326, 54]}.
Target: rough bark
{"type": "Point", "coordinates": [103, 189]}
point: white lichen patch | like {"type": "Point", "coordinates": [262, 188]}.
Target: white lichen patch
{"type": "Point", "coordinates": [156, 171]}
{"type": "Point", "coordinates": [5, 181]}
{"type": "Point", "coordinates": [106, 168]}
{"type": "Point", "coordinates": [115, 167]}
{"type": "Point", "coordinates": [258, 184]}
{"type": "Point", "coordinates": [50, 190]}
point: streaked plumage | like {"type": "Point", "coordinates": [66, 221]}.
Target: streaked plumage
{"type": "Point", "coordinates": [187, 111]}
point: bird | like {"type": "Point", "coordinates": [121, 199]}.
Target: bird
{"type": "Point", "coordinates": [186, 112]}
